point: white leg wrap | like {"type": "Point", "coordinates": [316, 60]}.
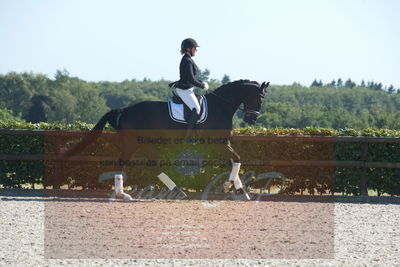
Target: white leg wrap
{"type": "Point", "coordinates": [119, 184]}
{"type": "Point", "coordinates": [234, 176]}
{"type": "Point", "coordinates": [235, 171]}
{"type": "Point", "coordinates": [238, 183]}
{"type": "Point", "coordinates": [119, 187]}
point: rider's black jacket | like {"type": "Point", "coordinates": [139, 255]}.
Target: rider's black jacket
{"type": "Point", "coordinates": [188, 71]}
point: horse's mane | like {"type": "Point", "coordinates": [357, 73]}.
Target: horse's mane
{"type": "Point", "coordinates": [236, 83]}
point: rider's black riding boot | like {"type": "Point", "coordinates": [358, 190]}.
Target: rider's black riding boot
{"type": "Point", "coordinates": [192, 119]}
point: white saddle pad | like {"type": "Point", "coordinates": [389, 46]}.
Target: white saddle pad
{"type": "Point", "coordinates": [176, 111]}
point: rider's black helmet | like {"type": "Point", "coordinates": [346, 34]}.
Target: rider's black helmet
{"type": "Point", "coordinates": [189, 43]}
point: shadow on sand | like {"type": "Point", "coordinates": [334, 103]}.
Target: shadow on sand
{"type": "Point", "coordinates": [104, 196]}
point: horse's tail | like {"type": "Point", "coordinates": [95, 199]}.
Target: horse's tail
{"type": "Point", "coordinates": [89, 138]}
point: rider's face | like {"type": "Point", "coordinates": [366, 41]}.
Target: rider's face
{"type": "Point", "coordinates": [193, 51]}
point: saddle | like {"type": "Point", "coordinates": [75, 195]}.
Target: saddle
{"type": "Point", "coordinates": [179, 112]}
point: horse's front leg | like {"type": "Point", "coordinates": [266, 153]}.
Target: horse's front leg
{"type": "Point", "coordinates": [234, 178]}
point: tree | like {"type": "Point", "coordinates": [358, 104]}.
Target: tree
{"type": "Point", "coordinates": [374, 86]}
{"type": "Point", "coordinates": [391, 89]}
{"type": "Point", "coordinates": [61, 107]}
{"type": "Point", "coordinates": [7, 115]}
{"type": "Point", "coordinates": [316, 83]}
{"type": "Point", "coordinates": [15, 92]}
{"type": "Point", "coordinates": [349, 84]}
{"type": "Point", "coordinates": [339, 83]}
{"type": "Point", "coordinates": [37, 112]}
{"type": "Point", "coordinates": [61, 75]}
{"type": "Point", "coordinates": [225, 79]}
{"type": "Point", "coordinates": [35, 97]}
{"type": "Point", "coordinates": [204, 75]}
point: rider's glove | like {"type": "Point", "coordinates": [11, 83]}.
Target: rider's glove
{"type": "Point", "coordinates": [206, 86]}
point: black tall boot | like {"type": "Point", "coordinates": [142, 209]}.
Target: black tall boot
{"type": "Point", "coordinates": [191, 121]}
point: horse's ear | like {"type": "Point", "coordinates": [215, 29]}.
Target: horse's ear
{"type": "Point", "coordinates": [264, 86]}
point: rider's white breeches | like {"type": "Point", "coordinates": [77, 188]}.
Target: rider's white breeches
{"type": "Point", "coordinates": [189, 98]}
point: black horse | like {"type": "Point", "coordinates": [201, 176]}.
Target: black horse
{"type": "Point", "coordinates": [153, 115]}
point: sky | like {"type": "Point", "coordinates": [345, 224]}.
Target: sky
{"type": "Point", "coordinates": [281, 41]}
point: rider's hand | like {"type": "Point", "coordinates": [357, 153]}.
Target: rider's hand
{"type": "Point", "coordinates": [206, 86]}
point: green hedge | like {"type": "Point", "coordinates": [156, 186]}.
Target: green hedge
{"type": "Point", "coordinates": [299, 179]}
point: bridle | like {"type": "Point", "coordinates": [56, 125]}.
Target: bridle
{"type": "Point", "coordinates": [244, 110]}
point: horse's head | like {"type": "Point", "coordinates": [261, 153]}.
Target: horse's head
{"type": "Point", "coordinates": [253, 101]}
{"type": "Point", "coordinates": [250, 93]}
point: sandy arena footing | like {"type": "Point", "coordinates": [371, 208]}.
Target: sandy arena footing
{"type": "Point", "coordinates": [61, 231]}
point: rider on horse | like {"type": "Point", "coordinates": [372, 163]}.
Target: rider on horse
{"type": "Point", "coordinates": [184, 87]}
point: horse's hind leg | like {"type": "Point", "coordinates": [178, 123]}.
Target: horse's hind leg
{"type": "Point", "coordinates": [128, 149]}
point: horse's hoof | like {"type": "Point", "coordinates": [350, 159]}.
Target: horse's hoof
{"type": "Point", "coordinates": [178, 194]}
{"type": "Point", "coordinates": [128, 198]}
{"type": "Point", "coordinates": [244, 195]}
{"type": "Point", "coordinates": [227, 186]}
{"type": "Point", "coordinates": [181, 195]}
{"type": "Point", "coordinates": [125, 197]}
